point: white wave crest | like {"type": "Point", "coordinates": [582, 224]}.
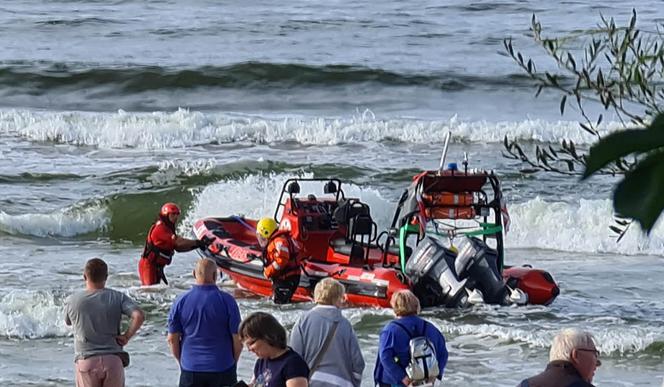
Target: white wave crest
{"type": "Point", "coordinates": [578, 227]}
{"type": "Point", "coordinates": [610, 339]}
{"type": "Point", "coordinates": [255, 196]}
{"type": "Point", "coordinates": [31, 314]}
{"type": "Point", "coordinates": [183, 128]}
{"type": "Point", "coordinates": [67, 222]}
{"type": "Point", "coordinates": [171, 171]}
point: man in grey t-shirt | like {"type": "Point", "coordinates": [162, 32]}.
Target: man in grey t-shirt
{"type": "Point", "coordinates": [95, 315]}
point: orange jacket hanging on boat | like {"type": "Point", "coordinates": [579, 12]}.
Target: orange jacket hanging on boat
{"type": "Point", "coordinates": [448, 199]}
{"type": "Point", "coordinates": [450, 212]}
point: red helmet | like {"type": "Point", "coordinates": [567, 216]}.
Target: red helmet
{"type": "Point", "coordinates": [169, 208]}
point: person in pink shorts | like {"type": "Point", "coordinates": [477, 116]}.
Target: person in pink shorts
{"type": "Point", "coordinates": [95, 315]}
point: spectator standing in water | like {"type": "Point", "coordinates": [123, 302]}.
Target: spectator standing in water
{"type": "Point", "coordinates": [326, 340]}
{"type": "Point", "coordinates": [393, 347]}
{"type": "Point", "coordinates": [203, 332]}
{"type": "Point", "coordinates": [573, 359]}
{"type": "Point", "coordinates": [280, 257]}
{"type": "Point", "coordinates": [160, 245]}
{"type": "Point", "coordinates": [95, 315]}
{"type": "Point", "coordinates": [277, 364]}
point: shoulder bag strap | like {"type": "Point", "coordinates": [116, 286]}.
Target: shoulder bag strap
{"type": "Point", "coordinates": [424, 328]}
{"type": "Point", "coordinates": [326, 345]}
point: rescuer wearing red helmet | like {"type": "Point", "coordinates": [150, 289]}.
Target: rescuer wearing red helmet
{"type": "Point", "coordinates": [280, 257]}
{"type": "Point", "coordinates": [160, 245]}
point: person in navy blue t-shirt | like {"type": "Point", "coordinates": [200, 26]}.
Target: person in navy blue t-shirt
{"type": "Point", "coordinates": [277, 364]}
{"type": "Point", "coordinates": [393, 347]}
{"type": "Point", "coordinates": [203, 331]}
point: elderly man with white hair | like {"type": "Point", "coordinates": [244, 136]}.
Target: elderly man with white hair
{"type": "Point", "coordinates": [573, 359]}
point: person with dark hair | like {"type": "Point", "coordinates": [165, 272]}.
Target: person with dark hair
{"type": "Point", "coordinates": [95, 315]}
{"type": "Point", "coordinates": [203, 332]}
{"type": "Point", "coordinates": [277, 364]}
{"type": "Point", "coordinates": [160, 245]}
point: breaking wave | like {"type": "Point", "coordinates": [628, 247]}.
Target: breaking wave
{"type": "Point", "coordinates": [255, 196]}
{"type": "Point", "coordinates": [184, 128]}
{"type": "Point", "coordinates": [66, 222]}
{"type": "Point", "coordinates": [31, 314]}
{"type": "Point", "coordinates": [611, 339]}
{"type": "Point", "coordinates": [578, 227]}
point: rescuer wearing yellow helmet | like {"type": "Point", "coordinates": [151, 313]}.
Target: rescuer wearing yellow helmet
{"type": "Point", "coordinates": [280, 257]}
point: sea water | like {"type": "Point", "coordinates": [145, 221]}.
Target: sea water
{"type": "Point", "coordinates": [111, 108]}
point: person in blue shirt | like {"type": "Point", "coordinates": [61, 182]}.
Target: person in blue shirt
{"type": "Point", "coordinates": [203, 332]}
{"type": "Point", "coordinates": [393, 349]}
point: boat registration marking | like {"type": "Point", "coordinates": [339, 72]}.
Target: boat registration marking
{"type": "Point", "coordinates": [318, 273]}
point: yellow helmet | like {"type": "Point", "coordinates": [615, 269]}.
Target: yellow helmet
{"type": "Point", "coordinates": [266, 227]}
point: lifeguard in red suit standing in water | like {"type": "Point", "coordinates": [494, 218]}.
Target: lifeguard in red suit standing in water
{"type": "Point", "coordinates": [162, 243]}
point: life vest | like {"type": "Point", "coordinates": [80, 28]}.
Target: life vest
{"type": "Point", "coordinates": [448, 199]}
{"type": "Point", "coordinates": [154, 254]}
{"type": "Point", "coordinates": [278, 264]}
{"type": "Point", "coordinates": [450, 212]}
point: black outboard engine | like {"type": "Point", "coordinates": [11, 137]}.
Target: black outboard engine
{"type": "Point", "coordinates": [431, 269]}
{"type": "Point", "coordinates": [477, 264]}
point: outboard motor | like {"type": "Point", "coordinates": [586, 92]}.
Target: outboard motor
{"type": "Point", "coordinates": [431, 269]}
{"type": "Point", "coordinates": [476, 264]}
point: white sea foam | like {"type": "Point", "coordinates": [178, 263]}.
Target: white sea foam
{"type": "Point", "coordinates": [31, 314]}
{"type": "Point", "coordinates": [66, 222]}
{"type": "Point", "coordinates": [255, 196]}
{"type": "Point", "coordinates": [610, 338]}
{"type": "Point", "coordinates": [579, 227]}
{"type": "Point", "coordinates": [183, 128]}
{"type": "Point", "coordinates": [171, 171]}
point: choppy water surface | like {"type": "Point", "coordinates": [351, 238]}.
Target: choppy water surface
{"type": "Point", "coordinates": [109, 109]}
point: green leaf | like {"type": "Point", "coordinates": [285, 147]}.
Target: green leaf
{"type": "Point", "coordinates": [658, 123]}
{"type": "Point", "coordinates": [562, 104]}
{"type": "Point", "coordinates": [570, 58]}
{"type": "Point", "coordinates": [570, 165]}
{"type": "Point", "coordinates": [620, 144]}
{"type": "Point", "coordinates": [572, 149]}
{"type": "Point", "coordinates": [551, 78]}
{"type": "Point", "coordinates": [587, 128]}
{"type": "Point", "coordinates": [616, 229]}
{"type": "Point", "coordinates": [640, 195]}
